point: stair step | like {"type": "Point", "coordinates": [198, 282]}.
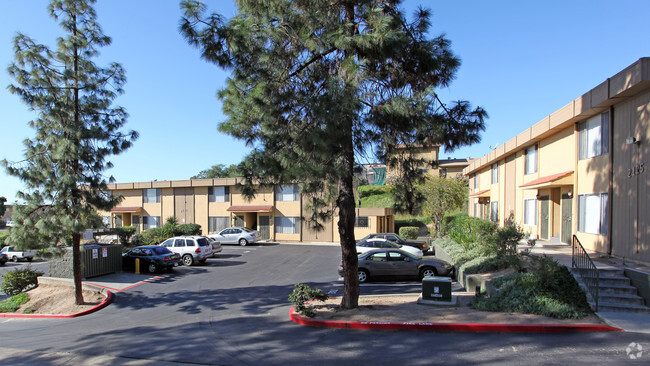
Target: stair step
{"type": "Point", "coordinates": [617, 289]}
{"type": "Point", "coordinates": [621, 298]}
{"type": "Point", "coordinates": [612, 306]}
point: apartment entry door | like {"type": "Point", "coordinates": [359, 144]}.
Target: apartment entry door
{"type": "Point", "coordinates": [183, 205]}
{"type": "Point", "coordinates": [567, 212]}
{"type": "Point", "coordinates": [545, 214]}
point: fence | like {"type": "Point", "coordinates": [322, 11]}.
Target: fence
{"type": "Point", "coordinates": [585, 267]}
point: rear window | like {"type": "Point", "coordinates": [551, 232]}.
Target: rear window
{"type": "Point", "coordinates": [202, 242]}
{"type": "Point", "coordinates": [161, 250]}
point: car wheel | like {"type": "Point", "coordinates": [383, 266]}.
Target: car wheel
{"type": "Point", "coordinates": [14, 258]}
{"type": "Point", "coordinates": [243, 242]}
{"type": "Point", "coordinates": [152, 268]}
{"type": "Point", "coordinates": [29, 259]}
{"type": "Point", "coordinates": [428, 271]}
{"type": "Point", "coordinates": [363, 275]}
{"type": "Point", "coordinates": [188, 260]}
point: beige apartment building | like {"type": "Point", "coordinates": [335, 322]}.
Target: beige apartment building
{"type": "Point", "coordinates": [582, 170]}
{"type": "Point", "coordinates": [449, 168]}
{"type": "Point", "coordinates": [217, 203]}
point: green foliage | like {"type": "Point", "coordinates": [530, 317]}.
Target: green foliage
{"type": "Point", "coordinates": [19, 280]}
{"type": "Point", "coordinates": [375, 196]}
{"type": "Point", "coordinates": [13, 303]}
{"type": "Point", "coordinates": [368, 191]}
{"type": "Point", "coordinates": [547, 289]}
{"type": "Point", "coordinates": [187, 229]}
{"type": "Point", "coordinates": [171, 220]}
{"type": "Point", "coordinates": [3, 236]}
{"type": "Point", "coordinates": [467, 230]}
{"type": "Point", "coordinates": [485, 264]}
{"type": "Point", "coordinates": [219, 171]}
{"type": "Point", "coordinates": [124, 233]}
{"type": "Point", "coordinates": [442, 196]}
{"type": "Point", "coordinates": [137, 240]}
{"type": "Point", "coordinates": [3, 208]}
{"type": "Point", "coordinates": [303, 293]}
{"type": "Point", "coordinates": [409, 232]}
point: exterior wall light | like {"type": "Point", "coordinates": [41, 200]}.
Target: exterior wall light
{"type": "Point", "coordinates": [631, 141]}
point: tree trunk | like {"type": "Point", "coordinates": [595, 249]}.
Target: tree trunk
{"type": "Point", "coordinates": [76, 269]}
{"type": "Point", "coordinates": [76, 238]}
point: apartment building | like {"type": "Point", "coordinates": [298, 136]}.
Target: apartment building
{"type": "Point", "coordinates": [449, 168]}
{"type": "Point", "coordinates": [582, 170]}
{"type": "Point", "coordinates": [217, 203]}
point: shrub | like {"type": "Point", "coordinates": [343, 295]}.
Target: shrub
{"type": "Point", "coordinates": [3, 224]}
{"type": "Point", "coordinates": [303, 293]}
{"type": "Point", "coordinates": [19, 280]}
{"type": "Point", "coordinates": [125, 233]}
{"type": "Point", "coordinates": [367, 191]}
{"type": "Point", "coordinates": [187, 229]}
{"type": "Point", "coordinates": [483, 264]}
{"type": "Point", "coordinates": [467, 230]}
{"type": "Point", "coordinates": [409, 232]}
{"type": "Point", "coordinates": [13, 303]}
{"type": "Point", "coordinates": [137, 240]}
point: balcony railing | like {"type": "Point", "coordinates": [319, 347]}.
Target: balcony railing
{"type": "Point", "coordinates": [586, 269]}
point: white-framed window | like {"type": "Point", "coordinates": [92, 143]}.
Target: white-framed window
{"type": "Point", "coordinates": [593, 136]}
{"type": "Point", "coordinates": [219, 194]}
{"type": "Point", "coordinates": [477, 210]}
{"type": "Point", "coordinates": [150, 222]}
{"type": "Point", "coordinates": [592, 213]}
{"type": "Point", "coordinates": [476, 181]}
{"type": "Point", "coordinates": [530, 212]}
{"type": "Point", "coordinates": [361, 221]}
{"type": "Point", "coordinates": [494, 211]}
{"type": "Point", "coordinates": [287, 192]}
{"type": "Point", "coordinates": [151, 195]}
{"type": "Point", "coordinates": [531, 160]}
{"type": "Point", "coordinates": [287, 225]}
{"type": "Point", "coordinates": [495, 173]}
{"type": "Point", "coordinates": [218, 223]}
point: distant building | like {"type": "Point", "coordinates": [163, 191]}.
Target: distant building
{"type": "Point", "coordinates": [449, 167]}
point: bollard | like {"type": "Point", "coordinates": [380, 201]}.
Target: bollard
{"type": "Point", "coordinates": [137, 266]}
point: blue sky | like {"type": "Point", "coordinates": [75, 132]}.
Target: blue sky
{"type": "Point", "coordinates": [521, 61]}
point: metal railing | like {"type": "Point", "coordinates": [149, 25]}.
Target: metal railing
{"type": "Point", "coordinates": [585, 267]}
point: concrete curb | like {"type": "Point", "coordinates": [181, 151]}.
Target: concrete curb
{"type": "Point", "coordinates": [101, 305]}
{"type": "Point", "coordinates": [454, 327]}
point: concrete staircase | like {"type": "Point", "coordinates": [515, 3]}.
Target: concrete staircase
{"type": "Point", "coordinates": [615, 292]}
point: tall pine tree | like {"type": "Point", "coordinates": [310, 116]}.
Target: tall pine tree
{"type": "Point", "coordinates": [316, 84]}
{"type": "Point", "coordinates": [76, 127]}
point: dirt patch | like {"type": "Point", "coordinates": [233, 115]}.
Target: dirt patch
{"type": "Point", "coordinates": [404, 308]}
{"type": "Point", "coordinates": [59, 300]}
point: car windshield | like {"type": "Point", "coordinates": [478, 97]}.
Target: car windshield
{"type": "Point", "coordinates": [202, 242]}
{"type": "Point", "coordinates": [161, 250]}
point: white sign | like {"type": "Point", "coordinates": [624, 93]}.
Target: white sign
{"type": "Point", "coordinates": [88, 234]}
{"type": "Point", "coordinates": [95, 253]}
{"type": "Point", "coordinates": [104, 252]}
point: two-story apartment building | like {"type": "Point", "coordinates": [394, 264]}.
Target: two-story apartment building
{"type": "Point", "coordinates": [217, 203]}
{"type": "Point", "coordinates": [581, 170]}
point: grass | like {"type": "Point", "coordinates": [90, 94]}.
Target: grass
{"type": "Point", "coordinates": [376, 196]}
{"type": "Point", "coordinates": [13, 303]}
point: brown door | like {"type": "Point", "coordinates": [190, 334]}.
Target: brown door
{"type": "Point", "coordinates": [184, 205]}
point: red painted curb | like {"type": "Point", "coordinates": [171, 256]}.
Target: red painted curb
{"type": "Point", "coordinates": [454, 327]}
{"type": "Point", "coordinates": [101, 305]}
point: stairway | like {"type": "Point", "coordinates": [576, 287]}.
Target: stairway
{"type": "Point", "coordinates": [615, 292]}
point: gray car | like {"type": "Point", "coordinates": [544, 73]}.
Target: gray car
{"type": "Point", "coordinates": [236, 235]}
{"type": "Point", "coordinates": [395, 264]}
{"type": "Point", "coordinates": [191, 248]}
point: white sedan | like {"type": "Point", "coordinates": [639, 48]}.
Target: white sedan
{"type": "Point", "coordinates": [236, 235]}
{"type": "Point", "coordinates": [374, 243]}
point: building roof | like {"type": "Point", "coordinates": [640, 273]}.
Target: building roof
{"type": "Point", "coordinates": [251, 208]}
{"type": "Point", "coordinates": [554, 180]}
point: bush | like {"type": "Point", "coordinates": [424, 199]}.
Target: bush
{"type": "Point", "coordinates": [303, 293]}
{"type": "Point", "coordinates": [367, 191]}
{"type": "Point", "coordinates": [467, 230]}
{"type": "Point", "coordinates": [409, 232]}
{"type": "Point", "coordinates": [13, 303]}
{"type": "Point", "coordinates": [125, 233]}
{"type": "Point", "coordinates": [3, 224]}
{"type": "Point", "coordinates": [547, 289]}
{"type": "Point", "coordinates": [137, 240]}
{"type": "Point", "coordinates": [187, 229]}
{"type": "Point", "coordinates": [485, 264]}
{"type": "Point", "coordinates": [19, 280]}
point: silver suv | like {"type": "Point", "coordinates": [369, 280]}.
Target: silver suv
{"type": "Point", "coordinates": [191, 248]}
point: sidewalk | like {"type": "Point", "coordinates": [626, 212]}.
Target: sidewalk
{"type": "Point", "coordinates": [632, 322]}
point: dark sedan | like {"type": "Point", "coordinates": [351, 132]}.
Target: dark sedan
{"type": "Point", "coordinates": [396, 264]}
{"type": "Point", "coordinates": [152, 258]}
{"type": "Point", "coordinates": [396, 239]}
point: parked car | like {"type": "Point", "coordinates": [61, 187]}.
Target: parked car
{"type": "Point", "coordinates": [397, 239]}
{"type": "Point", "coordinates": [374, 243]}
{"type": "Point", "coordinates": [3, 259]}
{"type": "Point", "coordinates": [152, 258]}
{"type": "Point", "coordinates": [18, 255]}
{"type": "Point", "coordinates": [216, 246]}
{"type": "Point", "coordinates": [191, 248]}
{"type": "Point", "coordinates": [397, 264]}
{"type": "Point", "coordinates": [236, 235]}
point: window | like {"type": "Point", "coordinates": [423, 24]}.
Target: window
{"type": "Point", "coordinates": [494, 211]}
{"type": "Point", "coordinates": [477, 208]}
{"type": "Point", "coordinates": [151, 195]}
{"type": "Point", "coordinates": [530, 212]}
{"type": "Point", "coordinates": [106, 221]}
{"type": "Point", "coordinates": [592, 213]}
{"type": "Point", "coordinates": [135, 221]}
{"type": "Point", "coordinates": [593, 136]}
{"type": "Point", "coordinates": [219, 194]}
{"type": "Point", "coordinates": [476, 181]}
{"type": "Point", "coordinates": [288, 192]}
{"type": "Point", "coordinates": [150, 222]}
{"type": "Point", "coordinates": [361, 221]}
{"type": "Point", "coordinates": [495, 173]}
{"type": "Point", "coordinates": [531, 160]}
{"type": "Point", "coordinates": [218, 223]}
{"type": "Point", "coordinates": [287, 225]}
{"type": "Point", "coordinates": [118, 220]}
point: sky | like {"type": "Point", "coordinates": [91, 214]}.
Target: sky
{"type": "Point", "coordinates": [521, 61]}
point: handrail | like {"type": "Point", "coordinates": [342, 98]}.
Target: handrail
{"type": "Point", "coordinates": [581, 261]}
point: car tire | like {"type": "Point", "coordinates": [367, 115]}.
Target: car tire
{"type": "Point", "coordinates": [15, 259]}
{"type": "Point", "coordinates": [188, 260]}
{"type": "Point", "coordinates": [152, 268]}
{"type": "Point", "coordinates": [29, 259]}
{"type": "Point", "coordinates": [428, 271]}
{"type": "Point", "coordinates": [363, 275]}
{"type": "Point", "coordinates": [243, 242]}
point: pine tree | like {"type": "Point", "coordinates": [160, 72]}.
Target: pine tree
{"type": "Point", "coordinates": [317, 84]}
{"type": "Point", "coordinates": [76, 131]}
